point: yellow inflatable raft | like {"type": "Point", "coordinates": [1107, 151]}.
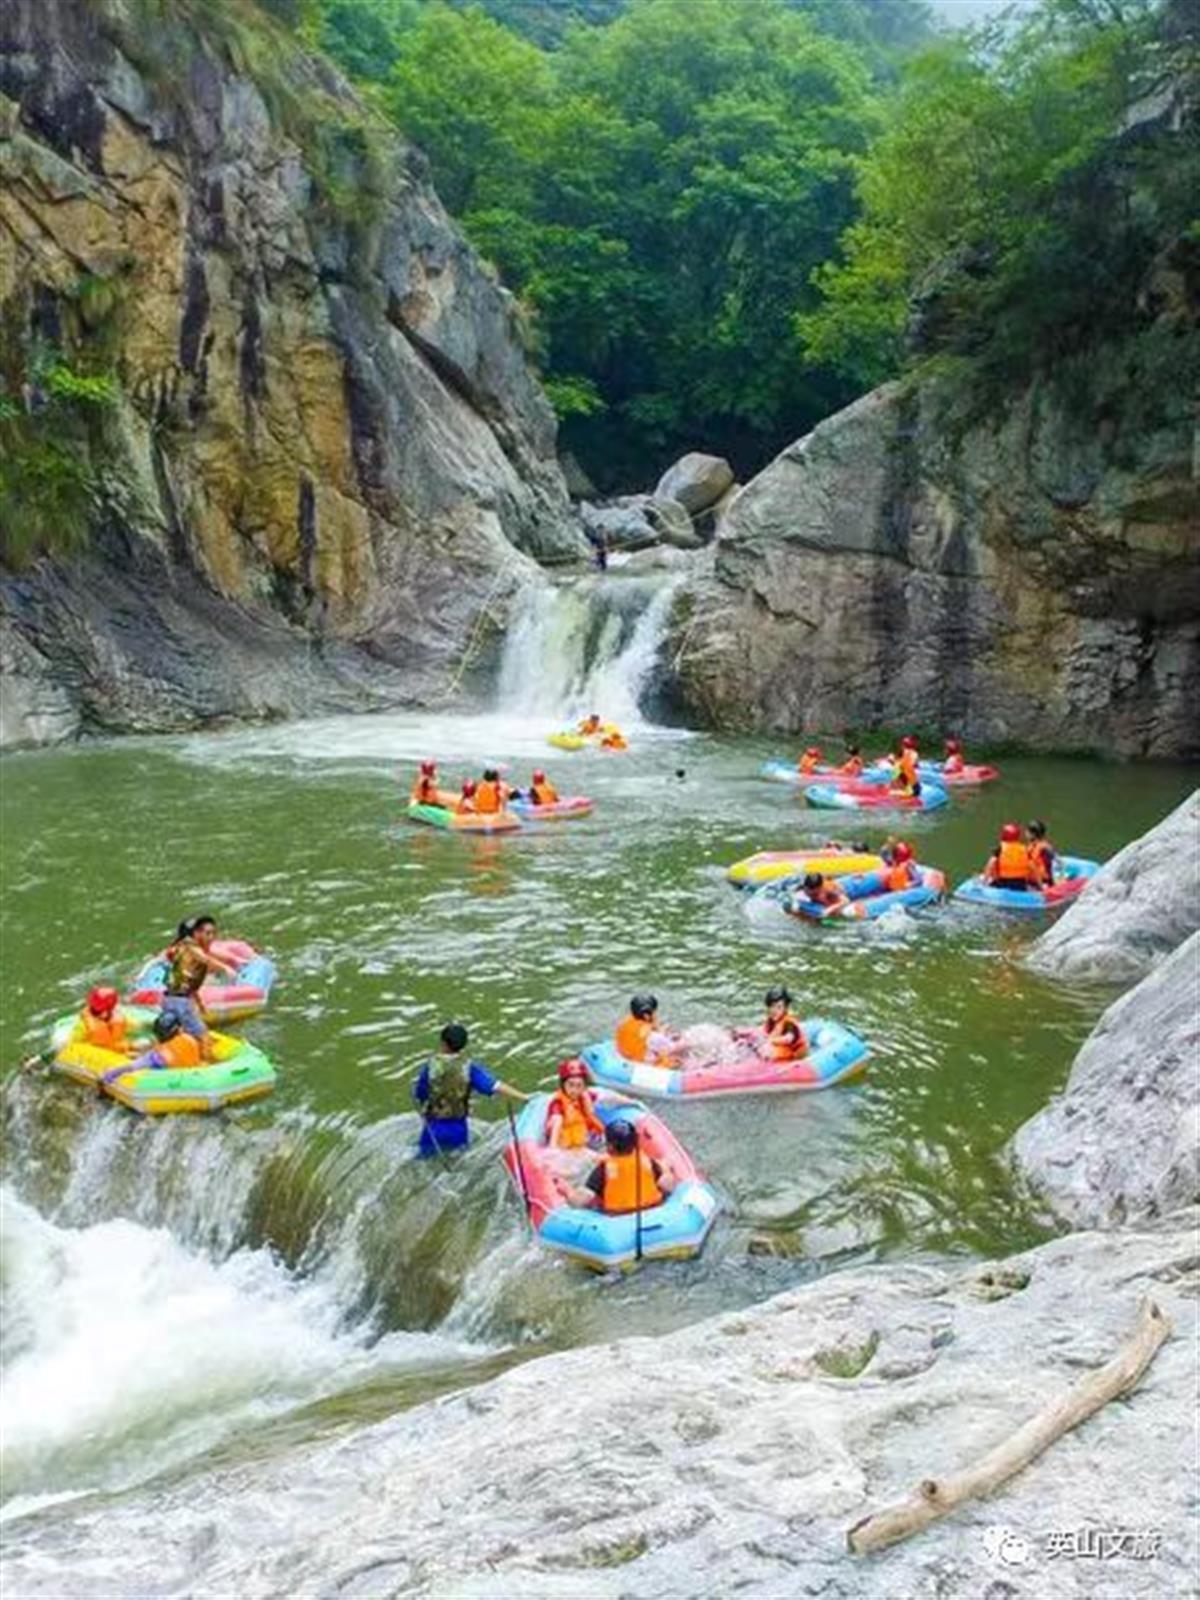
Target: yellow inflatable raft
{"type": "Point", "coordinates": [769, 865]}
{"type": "Point", "coordinates": [239, 1072]}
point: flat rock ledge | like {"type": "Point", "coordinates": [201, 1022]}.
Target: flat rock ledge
{"type": "Point", "coordinates": [729, 1457]}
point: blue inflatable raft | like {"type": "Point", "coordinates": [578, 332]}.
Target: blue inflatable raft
{"type": "Point", "coordinates": [869, 896]}
{"type": "Point", "coordinates": [1071, 877]}
{"type": "Point", "coordinates": [834, 1054]}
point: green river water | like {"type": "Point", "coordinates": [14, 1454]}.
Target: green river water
{"type": "Point", "coordinates": [289, 1268]}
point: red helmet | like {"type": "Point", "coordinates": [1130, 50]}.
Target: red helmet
{"type": "Point", "coordinates": [574, 1068]}
{"type": "Point", "coordinates": [428, 768]}
{"type": "Point", "coordinates": [953, 746]}
{"type": "Point", "coordinates": [468, 786]}
{"type": "Point", "coordinates": [102, 1000]}
{"type": "Point", "coordinates": [902, 852]}
{"type": "Point", "coordinates": [1010, 832]}
{"type": "Point", "coordinates": [908, 742]}
{"type": "Point", "coordinates": [813, 750]}
{"type": "Point", "coordinates": [539, 776]}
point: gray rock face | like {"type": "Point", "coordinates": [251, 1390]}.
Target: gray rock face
{"type": "Point", "coordinates": [728, 1458]}
{"type": "Point", "coordinates": [1122, 1143]}
{"type": "Point", "coordinates": [1031, 576]}
{"type": "Point", "coordinates": [636, 521]}
{"type": "Point", "coordinates": [697, 481]}
{"type": "Point", "coordinates": [1138, 908]}
{"type": "Point", "coordinates": [330, 463]}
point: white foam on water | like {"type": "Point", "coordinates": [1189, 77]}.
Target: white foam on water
{"type": "Point", "coordinates": [125, 1354]}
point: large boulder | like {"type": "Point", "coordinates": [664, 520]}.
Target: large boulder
{"type": "Point", "coordinates": [1122, 1143]}
{"type": "Point", "coordinates": [726, 1458]}
{"type": "Point", "coordinates": [1138, 908]}
{"type": "Point", "coordinates": [696, 481]}
{"type": "Point", "coordinates": [636, 521]}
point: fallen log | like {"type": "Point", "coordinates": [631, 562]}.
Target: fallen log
{"type": "Point", "coordinates": [936, 1497]}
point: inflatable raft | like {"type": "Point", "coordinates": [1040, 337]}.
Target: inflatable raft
{"type": "Point", "coordinates": [864, 796]}
{"type": "Point", "coordinates": [673, 1230]}
{"type": "Point", "coordinates": [240, 1072]}
{"type": "Point", "coordinates": [463, 822]}
{"type": "Point", "coordinates": [220, 1000]}
{"type": "Point", "coordinates": [589, 741]}
{"type": "Point", "coordinates": [788, 772]}
{"type": "Point", "coordinates": [769, 865]}
{"type": "Point", "coordinates": [935, 772]}
{"type": "Point", "coordinates": [1071, 875]}
{"type": "Point", "coordinates": [834, 1054]}
{"type": "Point", "coordinates": [576, 805]}
{"type": "Point", "coordinates": [869, 896]}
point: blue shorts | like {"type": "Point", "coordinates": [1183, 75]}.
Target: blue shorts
{"type": "Point", "coordinates": [442, 1134]}
{"type": "Point", "coordinates": [188, 1012]}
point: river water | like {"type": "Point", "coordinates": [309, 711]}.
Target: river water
{"type": "Point", "coordinates": [193, 1291]}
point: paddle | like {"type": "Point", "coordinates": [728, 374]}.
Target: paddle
{"type": "Point", "coordinates": [516, 1144]}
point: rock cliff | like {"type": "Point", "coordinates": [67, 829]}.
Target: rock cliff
{"type": "Point", "coordinates": [730, 1457]}
{"type": "Point", "coordinates": [270, 440]}
{"type": "Point", "coordinates": [1025, 575]}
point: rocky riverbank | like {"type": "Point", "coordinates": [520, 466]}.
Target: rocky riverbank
{"type": "Point", "coordinates": [312, 465]}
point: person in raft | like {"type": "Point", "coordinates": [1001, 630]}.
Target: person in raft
{"type": "Point", "coordinates": [100, 1025]}
{"type": "Point", "coordinates": [173, 1047]}
{"type": "Point", "coordinates": [614, 739]}
{"type": "Point", "coordinates": [489, 794]}
{"type": "Point", "coordinates": [1010, 865]}
{"type": "Point", "coordinates": [541, 791]}
{"type": "Point", "coordinates": [571, 1120]}
{"type": "Point", "coordinates": [782, 1034]}
{"type": "Point", "coordinates": [425, 790]}
{"type": "Point", "coordinates": [810, 761]}
{"type": "Point", "coordinates": [953, 761]}
{"type": "Point", "coordinates": [591, 724]}
{"type": "Point", "coordinates": [822, 891]}
{"type": "Point", "coordinates": [190, 962]}
{"type": "Point", "coordinates": [1041, 855]}
{"type": "Point", "coordinates": [901, 871]}
{"type": "Point", "coordinates": [905, 776]}
{"type": "Point", "coordinates": [466, 806]}
{"type": "Point", "coordinates": [443, 1092]}
{"type": "Point", "coordinates": [638, 1036]}
{"type": "Point", "coordinates": [852, 766]}
{"type": "Point", "coordinates": [627, 1179]}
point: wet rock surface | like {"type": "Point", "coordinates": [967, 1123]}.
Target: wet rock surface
{"type": "Point", "coordinates": [330, 465]}
{"type": "Point", "coordinates": [1138, 908]}
{"type": "Point", "coordinates": [732, 1456]}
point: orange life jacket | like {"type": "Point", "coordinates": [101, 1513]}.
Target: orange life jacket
{"type": "Point", "coordinates": [614, 741]}
{"type": "Point", "coordinates": [108, 1033]}
{"type": "Point", "coordinates": [809, 764]}
{"type": "Point", "coordinates": [544, 794]}
{"type": "Point", "coordinates": [852, 767]}
{"type": "Point", "coordinates": [632, 1038]}
{"type": "Point", "coordinates": [590, 725]}
{"type": "Point", "coordinates": [1041, 861]}
{"type": "Point", "coordinates": [786, 1037]}
{"type": "Point", "coordinates": [488, 799]}
{"type": "Point", "coordinates": [425, 792]}
{"type": "Point", "coordinates": [898, 877]}
{"type": "Point", "coordinates": [623, 1188]}
{"type": "Point", "coordinates": [578, 1120]}
{"type": "Point", "coordinates": [1013, 861]}
{"type": "Point", "coordinates": [181, 1051]}
{"type": "Point", "coordinates": [906, 768]}
{"type": "Point", "coordinates": [826, 895]}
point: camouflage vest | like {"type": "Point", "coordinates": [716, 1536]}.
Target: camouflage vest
{"type": "Point", "coordinates": [449, 1089]}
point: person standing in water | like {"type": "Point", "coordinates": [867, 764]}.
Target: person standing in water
{"type": "Point", "coordinates": [443, 1092]}
{"type": "Point", "coordinates": [190, 962]}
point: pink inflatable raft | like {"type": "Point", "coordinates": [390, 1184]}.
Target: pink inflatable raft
{"type": "Point", "coordinates": [834, 1054]}
{"type": "Point", "coordinates": [572, 805]}
{"type": "Point", "coordinates": [243, 996]}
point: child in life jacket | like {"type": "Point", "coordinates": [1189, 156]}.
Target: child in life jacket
{"type": "Point", "coordinates": [627, 1179]}
{"type": "Point", "coordinates": [953, 761]}
{"type": "Point", "coordinates": [823, 891]}
{"type": "Point", "coordinates": [781, 1032]}
{"type": "Point", "coordinates": [571, 1120]}
{"type": "Point", "coordinates": [541, 791]}
{"type": "Point", "coordinates": [466, 806]}
{"type": "Point", "coordinates": [901, 871]}
{"type": "Point", "coordinates": [173, 1047]}
{"type": "Point", "coordinates": [638, 1036]}
{"type": "Point", "coordinates": [906, 776]}
{"type": "Point", "coordinates": [810, 761]}
{"type": "Point", "coordinates": [1041, 855]}
{"type": "Point", "coordinates": [100, 1025]}
{"type": "Point", "coordinates": [425, 790]}
{"type": "Point", "coordinates": [852, 766]}
{"type": "Point", "coordinates": [590, 725]}
{"type": "Point", "coordinates": [1009, 865]}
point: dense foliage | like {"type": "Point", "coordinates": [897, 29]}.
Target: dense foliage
{"type": "Point", "coordinates": [718, 213]}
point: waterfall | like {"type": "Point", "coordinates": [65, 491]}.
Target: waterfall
{"type": "Point", "coordinates": [588, 645]}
